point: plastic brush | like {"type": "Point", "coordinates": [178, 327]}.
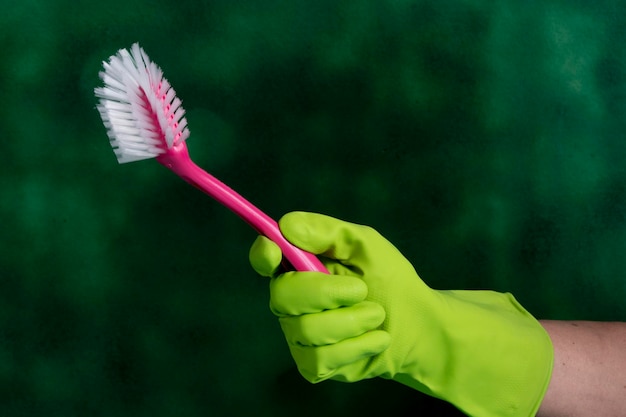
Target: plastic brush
{"type": "Point", "coordinates": [144, 119]}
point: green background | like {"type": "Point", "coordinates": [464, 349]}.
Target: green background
{"type": "Point", "coordinates": [485, 139]}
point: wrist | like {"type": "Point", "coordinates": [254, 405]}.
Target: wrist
{"type": "Point", "coordinates": [489, 356]}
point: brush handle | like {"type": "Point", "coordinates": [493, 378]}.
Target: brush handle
{"type": "Point", "coordinates": [177, 159]}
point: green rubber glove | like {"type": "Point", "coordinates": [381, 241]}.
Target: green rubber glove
{"type": "Point", "coordinates": [374, 317]}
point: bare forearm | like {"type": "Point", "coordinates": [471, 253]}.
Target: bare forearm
{"type": "Point", "coordinates": [589, 376]}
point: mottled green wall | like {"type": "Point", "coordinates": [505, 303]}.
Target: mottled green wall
{"type": "Point", "coordinates": [486, 139]}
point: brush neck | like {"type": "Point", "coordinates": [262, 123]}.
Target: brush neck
{"type": "Point", "coordinates": [177, 159]}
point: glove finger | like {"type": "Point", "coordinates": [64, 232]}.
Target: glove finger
{"type": "Point", "coordinates": [332, 326]}
{"type": "Point", "coordinates": [319, 363]}
{"type": "Point", "coordinates": [297, 293]}
{"type": "Point", "coordinates": [333, 238]}
{"type": "Point", "coordinates": [265, 256]}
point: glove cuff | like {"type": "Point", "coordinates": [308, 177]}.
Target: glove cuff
{"type": "Point", "coordinates": [495, 358]}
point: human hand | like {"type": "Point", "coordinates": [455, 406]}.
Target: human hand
{"type": "Point", "coordinates": [374, 316]}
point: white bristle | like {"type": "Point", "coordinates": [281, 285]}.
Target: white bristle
{"type": "Point", "coordinates": [139, 107]}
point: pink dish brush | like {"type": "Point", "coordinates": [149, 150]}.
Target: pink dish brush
{"type": "Point", "coordinates": [144, 119]}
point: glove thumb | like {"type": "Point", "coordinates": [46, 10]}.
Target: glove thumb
{"type": "Point", "coordinates": [327, 236]}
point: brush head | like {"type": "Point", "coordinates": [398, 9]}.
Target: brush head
{"type": "Point", "coordinates": [139, 107]}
